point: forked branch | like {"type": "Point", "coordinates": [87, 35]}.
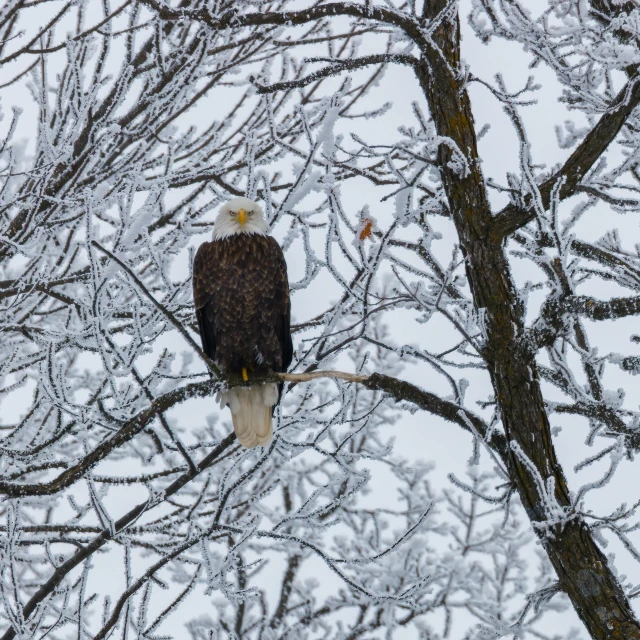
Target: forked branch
{"type": "Point", "coordinates": [579, 163]}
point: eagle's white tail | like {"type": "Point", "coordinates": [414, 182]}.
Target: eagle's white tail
{"type": "Point", "coordinates": [251, 409]}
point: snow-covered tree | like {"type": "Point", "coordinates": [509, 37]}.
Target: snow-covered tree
{"type": "Point", "coordinates": [418, 245]}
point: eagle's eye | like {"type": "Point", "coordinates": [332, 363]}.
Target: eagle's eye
{"type": "Point", "coordinates": [250, 213]}
{"type": "Point", "coordinates": [233, 214]}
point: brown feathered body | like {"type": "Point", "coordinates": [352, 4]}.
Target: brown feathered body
{"type": "Point", "coordinates": [241, 295]}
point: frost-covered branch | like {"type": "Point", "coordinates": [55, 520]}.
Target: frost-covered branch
{"type": "Point", "coordinates": [122, 130]}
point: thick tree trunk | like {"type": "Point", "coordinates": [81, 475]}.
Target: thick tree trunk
{"type": "Point", "coordinates": [581, 566]}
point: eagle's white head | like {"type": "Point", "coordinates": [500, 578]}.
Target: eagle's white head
{"type": "Point", "coordinates": [239, 215]}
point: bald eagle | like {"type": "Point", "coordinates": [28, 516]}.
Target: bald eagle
{"type": "Point", "coordinates": [241, 295]}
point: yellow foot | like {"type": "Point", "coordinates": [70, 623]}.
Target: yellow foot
{"type": "Point", "coordinates": [245, 377]}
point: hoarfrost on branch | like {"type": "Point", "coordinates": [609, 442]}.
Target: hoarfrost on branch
{"type": "Point", "coordinates": [127, 507]}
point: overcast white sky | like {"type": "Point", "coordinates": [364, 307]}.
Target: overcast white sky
{"type": "Point", "coordinates": [423, 436]}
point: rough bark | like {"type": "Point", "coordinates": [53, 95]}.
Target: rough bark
{"type": "Point", "coordinates": [581, 566]}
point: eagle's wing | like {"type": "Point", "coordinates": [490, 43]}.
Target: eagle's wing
{"type": "Point", "coordinates": [206, 333]}
{"type": "Point", "coordinates": [203, 273]}
{"type": "Point", "coordinates": [282, 304]}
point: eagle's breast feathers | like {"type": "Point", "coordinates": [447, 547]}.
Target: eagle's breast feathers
{"type": "Point", "coordinates": [241, 295]}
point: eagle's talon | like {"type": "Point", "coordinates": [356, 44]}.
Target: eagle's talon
{"type": "Point", "coordinates": [245, 376]}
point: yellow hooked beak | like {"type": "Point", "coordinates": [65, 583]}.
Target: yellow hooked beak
{"type": "Point", "coordinates": [242, 216]}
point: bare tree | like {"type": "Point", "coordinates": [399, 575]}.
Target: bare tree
{"type": "Point", "coordinates": [142, 119]}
